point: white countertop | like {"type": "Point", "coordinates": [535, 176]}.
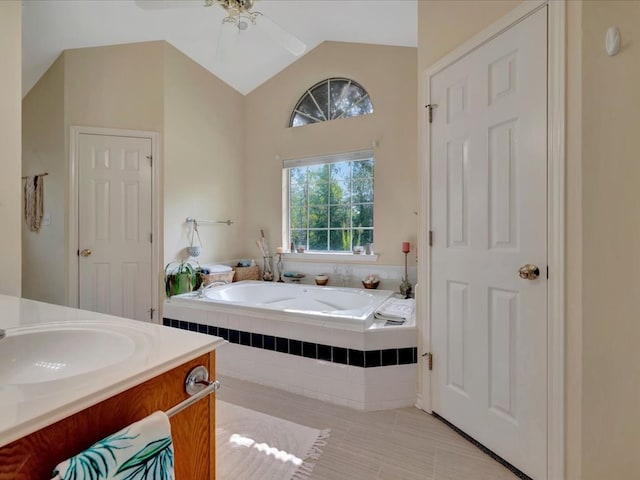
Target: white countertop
{"type": "Point", "coordinates": [28, 407]}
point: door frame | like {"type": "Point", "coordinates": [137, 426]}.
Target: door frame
{"type": "Point", "coordinates": [556, 74]}
{"type": "Point", "coordinates": [73, 259]}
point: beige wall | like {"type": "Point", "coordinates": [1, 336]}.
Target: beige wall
{"type": "Point", "coordinates": [119, 86]}
{"type": "Point", "coordinates": [444, 25]}
{"type": "Point", "coordinates": [10, 147]}
{"type": "Point", "coordinates": [389, 75]}
{"type": "Point", "coordinates": [611, 240]}
{"type": "Point", "coordinates": [203, 157]}
{"type": "Point", "coordinates": [43, 150]}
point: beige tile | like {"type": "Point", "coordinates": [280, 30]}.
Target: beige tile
{"type": "Point", "coordinates": [453, 466]}
{"type": "Point", "coordinates": [399, 472]}
{"type": "Point", "coordinates": [341, 464]}
{"type": "Point", "coordinates": [400, 444]}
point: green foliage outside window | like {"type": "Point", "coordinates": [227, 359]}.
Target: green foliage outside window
{"type": "Point", "coordinates": [331, 205]}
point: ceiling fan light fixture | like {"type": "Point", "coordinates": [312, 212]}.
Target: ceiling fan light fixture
{"type": "Point", "coordinates": [240, 16]}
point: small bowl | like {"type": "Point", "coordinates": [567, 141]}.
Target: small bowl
{"type": "Point", "coordinates": [371, 286]}
{"type": "Point", "coordinates": [321, 279]}
{"type": "Point", "coordinates": [358, 250]}
{"type": "Point", "coordinates": [300, 249]}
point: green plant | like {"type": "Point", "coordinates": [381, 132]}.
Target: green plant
{"type": "Point", "coordinates": [181, 279]}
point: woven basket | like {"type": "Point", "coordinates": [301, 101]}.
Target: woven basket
{"type": "Point", "coordinates": [247, 273]}
{"type": "Point", "coordinates": [226, 277]}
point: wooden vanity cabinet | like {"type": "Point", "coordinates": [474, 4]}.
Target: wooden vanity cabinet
{"type": "Point", "coordinates": [193, 430]}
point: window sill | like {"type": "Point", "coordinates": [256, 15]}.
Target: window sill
{"type": "Point", "coordinates": [332, 257]}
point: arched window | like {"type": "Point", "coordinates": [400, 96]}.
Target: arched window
{"type": "Point", "coordinates": [331, 99]}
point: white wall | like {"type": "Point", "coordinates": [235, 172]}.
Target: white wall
{"type": "Point", "coordinates": [10, 145]}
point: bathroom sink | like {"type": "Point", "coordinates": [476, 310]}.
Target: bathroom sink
{"type": "Point", "coordinates": [29, 356]}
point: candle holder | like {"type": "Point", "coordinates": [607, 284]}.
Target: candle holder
{"type": "Point", "coordinates": [280, 268]}
{"type": "Point", "coordinates": [405, 286]}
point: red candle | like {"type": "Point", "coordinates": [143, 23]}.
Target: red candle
{"type": "Point", "coordinates": [406, 247]}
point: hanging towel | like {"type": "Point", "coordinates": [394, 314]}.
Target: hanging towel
{"type": "Point", "coordinates": [141, 451]}
{"type": "Point", "coordinates": [33, 200]}
{"type": "Point", "coordinates": [396, 310]}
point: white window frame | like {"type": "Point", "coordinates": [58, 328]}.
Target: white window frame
{"type": "Point", "coordinates": [320, 160]}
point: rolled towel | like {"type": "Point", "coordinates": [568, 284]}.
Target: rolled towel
{"type": "Point", "coordinates": [143, 450]}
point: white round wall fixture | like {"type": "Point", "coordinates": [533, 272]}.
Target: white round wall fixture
{"type": "Point", "coordinates": [612, 41]}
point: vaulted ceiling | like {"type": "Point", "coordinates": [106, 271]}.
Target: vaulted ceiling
{"type": "Point", "coordinates": [52, 26]}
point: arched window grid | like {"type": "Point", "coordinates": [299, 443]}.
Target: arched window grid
{"type": "Point", "coordinates": [331, 99]}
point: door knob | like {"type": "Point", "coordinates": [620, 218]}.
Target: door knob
{"type": "Point", "coordinates": [85, 253]}
{"type": "Point", "coordinates": [529, 271]}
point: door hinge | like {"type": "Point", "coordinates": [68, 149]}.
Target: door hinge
{"type": "Point", "coordinates": [547, 272]}
{"type": "Point", "coordinates": [151, 238]}
{"type": "Point", "coordinates": [151, 312]}
{"type": "Point", "coordinates": [78, 252]}
{"type": "Point", "coordinates": [429, 356]}
{"type": "Point", "coordinates": [430, 107]}
{"type": "Point", "coordinates": [430, 238]}
{"type": "Point", "coordinates": [150, 157]}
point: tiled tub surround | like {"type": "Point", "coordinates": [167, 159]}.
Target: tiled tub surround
{"type": "Point", "coordinates": [367, 368]}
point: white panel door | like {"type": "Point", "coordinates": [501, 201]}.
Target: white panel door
{"type": "Point", "coordinates": [488, 214]}
{"type": "Point", "coordinates": [114, 225]}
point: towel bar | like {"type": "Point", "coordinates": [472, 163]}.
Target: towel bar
{"type": "Point", "coordinates": [208, 222]}
{"type": "Point", "coordinates": [197, 385]}
{"type": "Point", "coordinates": [212, 388]}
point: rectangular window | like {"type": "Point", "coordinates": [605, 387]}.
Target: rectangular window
{"type": "Point", "coordinates": [330, 202]}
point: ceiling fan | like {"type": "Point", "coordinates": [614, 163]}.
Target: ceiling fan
{"type": "Point", "coordinates": [240, 16]}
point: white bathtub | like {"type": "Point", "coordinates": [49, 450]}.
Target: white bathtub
{"type": "Point", "coordinates": [348, 308]}
{"type": "Point", "coordinates": [322, 342]}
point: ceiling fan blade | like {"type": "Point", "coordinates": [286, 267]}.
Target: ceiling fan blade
{"type": "Point", "coordinates": [164, 4]}
{"type": "Point", "coordinates": [280, 35]}
{"type": "Point", "coordinates": [227, 39]}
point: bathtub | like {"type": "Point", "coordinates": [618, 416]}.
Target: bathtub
{"type": "Point", "coordinates": [322, 342]}
{"type": "Point", "coordinates": [347, 308]}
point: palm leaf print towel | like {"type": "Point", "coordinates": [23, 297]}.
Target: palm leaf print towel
{"type": "Point", "coordinates": [141, 451]}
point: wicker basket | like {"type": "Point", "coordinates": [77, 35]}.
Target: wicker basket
{"type": "Point", "coordinates": [226, 277]}
{"type": "Point", "coordinates": [247, 273]}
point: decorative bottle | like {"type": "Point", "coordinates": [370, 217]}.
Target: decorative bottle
{"type": "Point", "coordinates": [267, 270]}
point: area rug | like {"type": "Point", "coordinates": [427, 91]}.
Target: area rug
{"type": "Point", "coordinates": [253, 445]}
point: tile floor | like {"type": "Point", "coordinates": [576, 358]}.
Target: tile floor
{"type": "Point", "coordinates": [401, 444]}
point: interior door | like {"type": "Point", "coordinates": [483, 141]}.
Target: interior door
{"type": "Point", "coordinates": [488, 216]}
{"type": "Point", "coordinates": [114, 225]}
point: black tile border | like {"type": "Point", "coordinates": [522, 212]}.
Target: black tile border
{"type": "Point", "coordinates": [318, 351]}
{"type": "Point", "coordinates": [518, 473]}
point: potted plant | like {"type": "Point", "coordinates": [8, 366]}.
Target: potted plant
{"type": "Point", "coordinates": [179, 279]}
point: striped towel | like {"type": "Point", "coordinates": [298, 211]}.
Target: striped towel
{"type": "Point", "coordinates": [141, 451]}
